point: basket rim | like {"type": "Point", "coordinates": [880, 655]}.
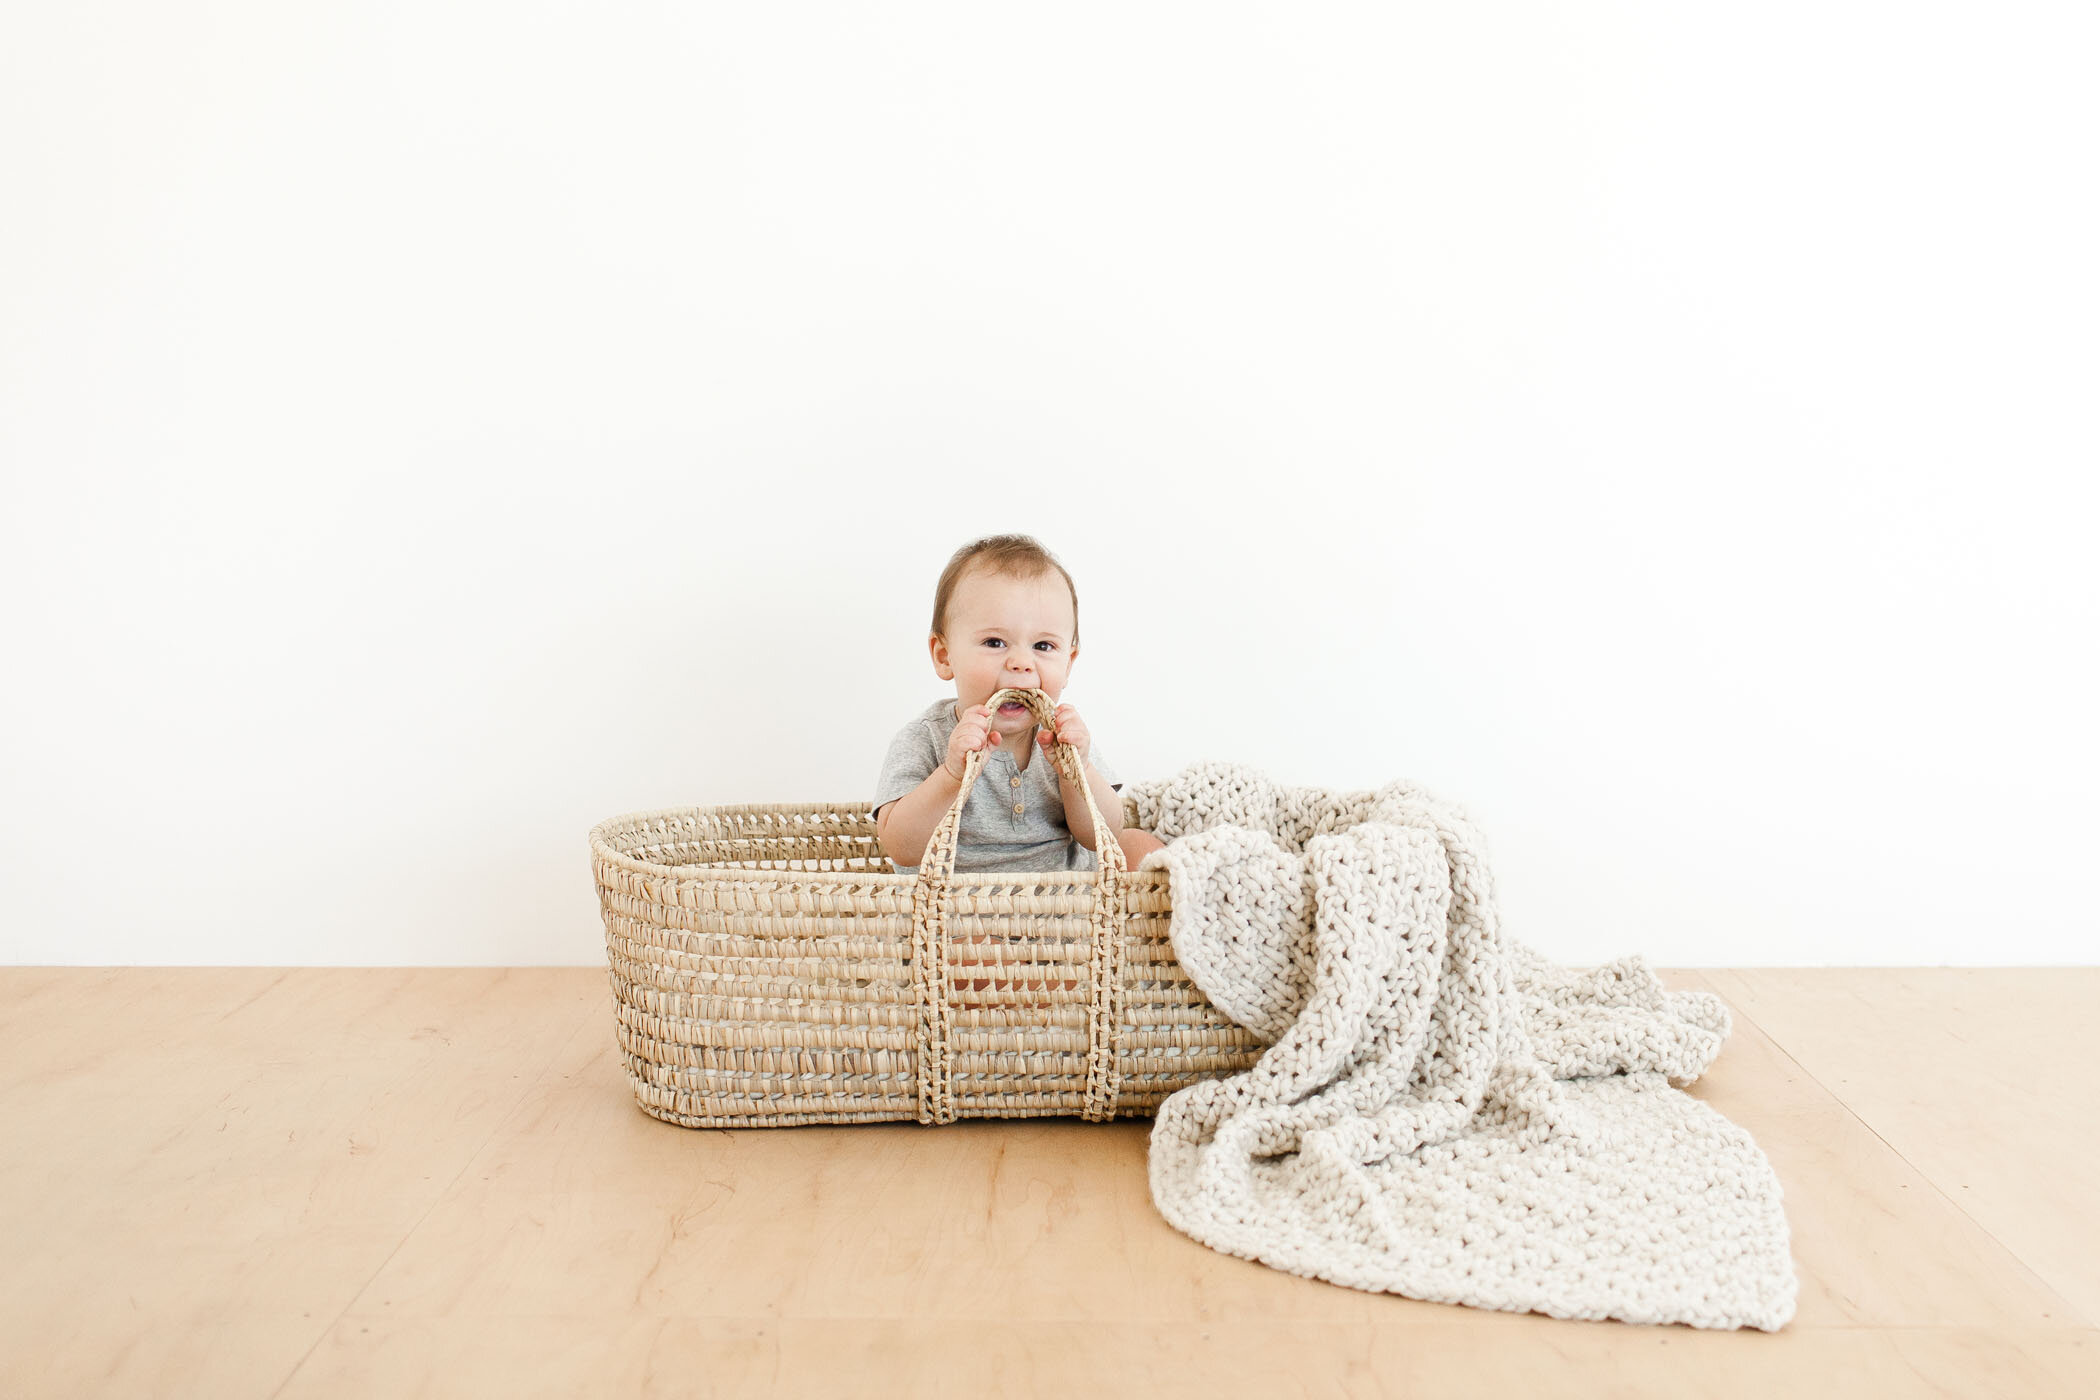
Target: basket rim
{"type": "Point", "coordinates": [602, 849]}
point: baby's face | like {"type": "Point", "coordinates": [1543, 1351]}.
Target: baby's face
{"type": "Point", "coordinates": [1007, 632]}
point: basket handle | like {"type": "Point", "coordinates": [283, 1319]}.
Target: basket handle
{"type": "Point", "coordinates": [930, 943]}
{"type": "Point", "coordinates": [940, 847]}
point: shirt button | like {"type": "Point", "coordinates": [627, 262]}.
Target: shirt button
{"type": "Point", "coordinates": [1017, 809]}
{"type": "Point", "coordinates": [1015, 781]}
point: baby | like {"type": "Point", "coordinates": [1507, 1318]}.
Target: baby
{"type": "Point", "coordinates": [1005, 614]}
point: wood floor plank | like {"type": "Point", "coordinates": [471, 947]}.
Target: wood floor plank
{"type": "Point", "coordinates": [1875, 1243]}
{"type": "Point", "coordinates": [1980, 1078]}
{"type": "Point", "coordinates": [292, 1135]}
{"type": "Point", "coordinates": [436, 1181]}
{"type": "Point", "coordinates": [582, 1205]}
{"type": "Point", "coordinates": [69, 1021]}
{"type": "Point", "coordinates": [644, 1356]}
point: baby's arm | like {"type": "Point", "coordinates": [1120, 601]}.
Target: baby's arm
{"type": "Point", "coordinates": [1069, 730]}
{"type": "Point", "coordinates": [1105, 797]}
{"type": "Point", "coordinates": [904, 826]}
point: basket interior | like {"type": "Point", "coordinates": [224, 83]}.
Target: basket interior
{"type": "Point", "coordinates": [774, 836]}
{"type": "Point", "coordinates": [762, 836]}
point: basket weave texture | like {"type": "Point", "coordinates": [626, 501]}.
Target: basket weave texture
{"type": "Point", "coordinates": [771, 968]}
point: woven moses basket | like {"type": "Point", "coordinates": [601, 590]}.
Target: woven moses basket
{"type": "Point", "coordinates": [770, 967]}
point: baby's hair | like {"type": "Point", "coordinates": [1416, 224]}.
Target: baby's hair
{"type": "Point", "coordinates": [1015, 556]}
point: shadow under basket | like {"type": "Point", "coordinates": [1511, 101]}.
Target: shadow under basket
{"type": "Point", "coordinates": [771, 968]}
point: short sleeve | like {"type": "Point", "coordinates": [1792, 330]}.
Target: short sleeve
{"type": "Point", "coordinates": [910, 759]}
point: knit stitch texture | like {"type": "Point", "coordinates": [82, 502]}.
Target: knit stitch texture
{"type": "Point", "coordinates": [1441, 1112]}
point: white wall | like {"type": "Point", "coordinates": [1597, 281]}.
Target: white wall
{"type": "Point", "coordinates": [431, 429]}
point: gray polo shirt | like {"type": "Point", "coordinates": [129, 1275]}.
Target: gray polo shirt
{"type": "Point", "coordinates": [1014, 818]}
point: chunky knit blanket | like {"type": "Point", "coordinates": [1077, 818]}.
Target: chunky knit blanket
{"type": "Point", "coordinates": [1441, 1112]}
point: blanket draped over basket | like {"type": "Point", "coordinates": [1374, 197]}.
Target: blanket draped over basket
{"type": "Point", "coordinates": [1441, 1112]}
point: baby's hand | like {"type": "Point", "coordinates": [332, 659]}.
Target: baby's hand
{"type": "Point", "coordinates": [972, 732]}
{"type": "Point", "coordinates": [1068, 726]}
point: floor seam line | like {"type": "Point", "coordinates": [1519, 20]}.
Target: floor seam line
{"type": "Point", "coordinates": [2077, 1316]}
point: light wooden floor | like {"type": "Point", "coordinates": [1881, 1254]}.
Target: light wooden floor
{"type": "Point", "coordinates": [377, 1182]}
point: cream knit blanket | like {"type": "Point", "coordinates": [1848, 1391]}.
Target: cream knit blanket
{"type": "Point", "coordinates": [1441, 1112]}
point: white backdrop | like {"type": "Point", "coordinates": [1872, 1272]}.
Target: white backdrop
{"type": "Point", "coordinates": [431, 429]}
